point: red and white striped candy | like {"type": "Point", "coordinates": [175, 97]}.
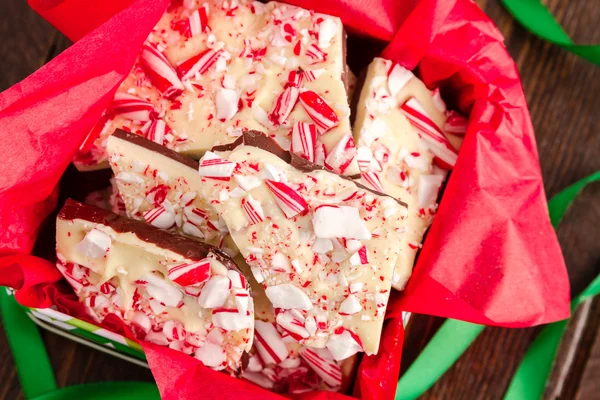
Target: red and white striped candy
{"type": "Point", "coordinates": [364, 155]}
{"type": "Point", "coordinates": [304, 140]}
{"type": "Point", "coordinates": [271, 348]}
{"type": "Point", "coordinates": [342, 154]}
{"type": "Point", "coordinates": [173, 330]}
{"type": "Point", "coordinates": [429, 132]}
{"type": "Point", "coordinates": [157, 194]}
{"type": "Point", "coordinates": [253, 210]}
{"type": "Point", "coordinates": [321, 361]}
{"type": "Point", "coordinates": [237, 280]}
{"type": "Point", "coordinates": [372, 180]}
{"type": "Point", "coordinates": [198, 21]}
{"type": "Point", "coordinates": [311, 74]}
{"type": "Point", "coordinates": [190, 274]}
{"type": "Point", "coordinates": [284, 105]}
{"type": "Point", "coordinates": [315, 54]}
{"type": "Point", "coordinates": [232, 320]}
{"type": "Point", "coordinates": [160, 71]}
{"type": "Point", "coordinates": [439, 103]}
{"type": "Point", "coordinates": [319, 111]}
{"type": "Point", "coordinates": [288, 200]}
{"type": "Point", "coordinates": [295, 78]}
{"type": "Point", "coordinates": [131, 107]}
{"type": "Point", "coordinates": [344, 345]}
{"type": "Point", "coordinates": [398, 77]}
{"type": "Point", "coordinates": [160, 218]}
{"type": "Point", "coordinates": [215, 167]}
{"type": "Point", "coordinates": [198, 64]}
{"type": "Point", "coordinates": [195, 215]}
{"type": "Point", "coordinates": [157, 131]}
{"type": "Point", "coordinates": [456, 124]}
{"type": "Point", "coordinates": [361, 257]}
{"type": "Point", "coordinates": [292, 325]}
{"type": "Point", "coordinates": [242, 300]}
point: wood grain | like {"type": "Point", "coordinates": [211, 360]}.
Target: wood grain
{"type": "Point", "coordinates": [563, 93]}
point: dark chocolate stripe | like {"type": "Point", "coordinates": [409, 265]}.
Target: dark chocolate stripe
{"type": "Point", "coordinates": [152, 146]}
{"type": "Point", "coordinates": [188, 248]}
{"type": "Point", "coordinates": [263, 142]}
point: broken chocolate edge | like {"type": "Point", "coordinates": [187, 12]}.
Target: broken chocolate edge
{"type": "Point", "coordinates": [186, 247]}
{"type": "Point", "coordinates": [249, 138]}
{"type": "Point", "coordinates": [152, 146]}
{"type": "Point", "coordinates": [260, 140]}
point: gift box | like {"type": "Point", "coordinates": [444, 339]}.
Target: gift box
{"type": "Point", "coordinates": [490, 257]}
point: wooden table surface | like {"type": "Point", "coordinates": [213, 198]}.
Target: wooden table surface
{"type": "Point", "coordinates": [563, 92]}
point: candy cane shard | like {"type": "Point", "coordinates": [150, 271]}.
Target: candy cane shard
{"type": "Point", "coordinates": [151, 179]}
{"type": "Point", "coordinates": [167, 289]}
{"type": "Point", "coordinates": [160, 71]}
{"type": "Point", "coordinates": [319, 111]}
{"type": "Point", "coordinates": [198, 64]}
{"type": "Point", "coordinates": [456, 124]}
{"type": "Point", "coordinates": [284, 104]}
{"type": "Point", "coordinates": [429, 131]}
{"type": "Point", "coordinates": [131, 107]}
{"type": "Point", "coordinates": [304, 140]}
{"type": "Point", "coordinates": [306, 282]}
{"type": "Point", "coordinates": [402, 149]}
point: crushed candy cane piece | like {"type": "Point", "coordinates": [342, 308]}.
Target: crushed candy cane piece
{"type": "Point", "coordinates": [95, 244]}
{"type": "Point", "coordinates": [319, 111]}
{"type": "Point", "coordinates": [215, 167]}
{"type": "Point", "coordinates": [190, 274]}
{"type": "Point", "coordinates": [288, 200]}
{"type": "Point", "coordinates": [339, 222]}
{"type": "Point", "coordinates": [288, 296]}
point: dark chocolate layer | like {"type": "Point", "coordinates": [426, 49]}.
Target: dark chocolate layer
{"type": "Point", "coordinates": [152, 146]}
{"type": "Point", "coordinates": [188, 248]}
{"type": "Point", "coordinates": [262, 141]}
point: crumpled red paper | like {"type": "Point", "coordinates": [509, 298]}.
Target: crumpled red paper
{"type": "Point", "coordinates": [490, 257]}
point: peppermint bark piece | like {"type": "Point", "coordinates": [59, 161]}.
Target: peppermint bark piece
{"type": "Point", "coordinates": [167, 289]}
{"type": "Point", "coordinates": [318, 242]}
{"type": "Point", "coordinates": [402, 149]}
{"type": "Point", "coordinates": [163, 188]}
{"type": "Point", "coordinates": [211, 69]}
{"type": "Point", "coordinates": [279, 363]}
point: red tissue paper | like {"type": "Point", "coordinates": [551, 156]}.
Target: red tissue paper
{"type": "Point", "coordinates": [490, 257]}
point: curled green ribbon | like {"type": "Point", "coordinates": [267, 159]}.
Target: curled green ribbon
{"type": "Point", "coordinates": [454, 337]}
{"type": "Point", "coordinates": [35, 371]}
{"type": "Point", "coordinates": [534, 16]}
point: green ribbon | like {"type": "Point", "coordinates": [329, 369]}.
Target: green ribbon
{"type": "Point", "coordinates": [442, 351]}
{"type": "Point", "coordinates": [454, 337]}
{"type": "Point", "coordinates": [534, 16]}
{"type": "Point", "coordinates": [35, 371]}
